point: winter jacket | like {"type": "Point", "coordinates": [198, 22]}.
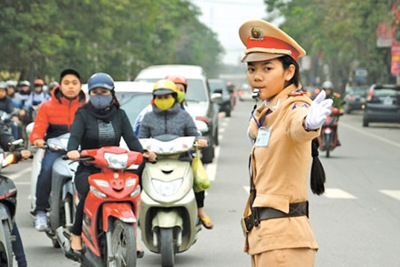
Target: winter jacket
{"type": "Point", "coordinates": [22, 97]}
{"type": "Point", "coordinates": [6, 105]}
{"type": "Point", "coordinates": [35, 99]}
{"type": "Point", "coordinates": [97, 128]}
{"type": "Point", "coordinates": [280, 172]}
{"type": "Point", "coordinates": [175, 121]}
{"type": "Point", "coordinates": [55, 116]}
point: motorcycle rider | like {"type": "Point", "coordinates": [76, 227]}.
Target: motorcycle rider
{"type": "Point", "coordinates": [22, 94]}
{"type": "Point", "coordinates": [99, 123]}
{"type": "Point", "coordinates": [168, 117]}
{"type": "Point", "coordinates": [53, 119]}
{"type": "Point", "coordinates": [181, 86]}
{"type": "Point", "coordinates": [7, 105]}
{"type": "Point", "coordinates": [37, 97]}
{"type": "Point", "coordinates": [24, 90]}
{"type": "Point", "coordinates": [327, 86]}
{"type": "Point", "coordinates": [12, 93]}
{"type": "Point", "coordinates": [17, 246]}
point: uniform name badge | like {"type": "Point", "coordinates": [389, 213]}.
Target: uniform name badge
{"type": "Point", "coordinates": [264, 133]}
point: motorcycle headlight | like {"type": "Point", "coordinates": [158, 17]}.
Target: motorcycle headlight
{"type": "Point", "coordinates": [136, 192]}
{"type": "Point", "coordinates": [167, 189]}
{"type": "Point", "coordinates": [116, 161]}
{"type": "Point", "coordinates": [97, 192]}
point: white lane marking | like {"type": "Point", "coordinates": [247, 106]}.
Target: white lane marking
{"type": "Point", "coordinates": [337, 193]}
{"type": "Point", "coordinates": [392, 193]}
{"type": "Point", "coordinates": [14, 176]}
{"type": "Point", "coordinates": [370, 135]}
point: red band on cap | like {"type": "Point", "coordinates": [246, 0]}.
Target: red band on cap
{"type": "Point", "coordinates": [272, 43]}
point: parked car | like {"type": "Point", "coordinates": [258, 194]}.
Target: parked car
{"type": "Point", "coordinates": [219, 86]}
{"type": "Point", "coordinates": [354, 98]}
{"type": "Point", "coordinates": [382, 105]}
{"type": "Point", "coordinates": [200, 104]}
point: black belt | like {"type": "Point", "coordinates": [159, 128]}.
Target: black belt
{"type": "Point", "coordinates": [260, 214]}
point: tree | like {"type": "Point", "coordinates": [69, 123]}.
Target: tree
{"type": "Point", "coordinates": [120, 37]}
{"type": "Point", "coordinates": [340, 34]}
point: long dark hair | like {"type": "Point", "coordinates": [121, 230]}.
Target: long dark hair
{"type": "Point", "coordinates": [286, 62]}
{"type": "Point", "coordinates": [318, 177]}
{"type": "Point", "coordinates": [115, 100]}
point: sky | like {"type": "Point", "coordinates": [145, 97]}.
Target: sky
{"type": "Point", "coordinates": [225, 17]}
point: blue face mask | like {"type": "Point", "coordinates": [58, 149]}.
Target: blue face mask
{"type": "Point", "coordinates": [100, 101]}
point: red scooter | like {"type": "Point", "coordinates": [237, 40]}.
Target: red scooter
{"type": "Point", "coordinates": [328, 139]}
{"type": "Point", "coordinates": [111, 210]}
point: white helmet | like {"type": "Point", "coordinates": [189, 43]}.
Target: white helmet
{"type": "Point", "coordinates": [327, 85]}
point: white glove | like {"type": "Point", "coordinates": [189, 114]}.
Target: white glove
{"type": "Point", "coordinates": [319, 110]}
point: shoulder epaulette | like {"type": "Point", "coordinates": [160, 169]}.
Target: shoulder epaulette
{"type": "Point", "coordinates": [297, 93]}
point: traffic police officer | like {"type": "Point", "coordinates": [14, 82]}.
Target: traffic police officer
{"type": "Point", "coordinates": [282, 127]}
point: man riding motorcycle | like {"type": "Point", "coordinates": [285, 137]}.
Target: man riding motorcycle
{"type": "Point", "coordinates": [327, 86]}
{"type": "Point", "coordinates": [53, 119]}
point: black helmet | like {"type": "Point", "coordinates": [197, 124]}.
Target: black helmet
{"type": "Point", "coordinates": [102, 80]}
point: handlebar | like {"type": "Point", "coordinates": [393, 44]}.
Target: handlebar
{"type": "Point", "coordinates": [85, 158]}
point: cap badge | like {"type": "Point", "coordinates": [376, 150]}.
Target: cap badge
{"type": "Point", "coordinates": [256, 34]}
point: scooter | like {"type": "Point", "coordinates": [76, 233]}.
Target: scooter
{"type": "Point", "coordinates": [328, 138]}
{"type": "Point", "coordinates": [110, 211]}
{"type": "Point", "coordinates": [168, 220]}
{"type": "Point", "coordinates": [62, 208]}
{"type": "Point", "coordinates": [8, 204]}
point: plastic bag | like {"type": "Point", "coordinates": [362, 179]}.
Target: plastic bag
{"type": "Point", "coordinates": [201, 180]}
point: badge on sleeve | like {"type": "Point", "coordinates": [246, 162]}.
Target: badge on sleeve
{"type": "Point", "coordinates": [264, 133]}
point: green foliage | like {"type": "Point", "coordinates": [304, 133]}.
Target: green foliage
{"type": "Point", "coordinates": [340, 34]}
{"type": "Point", "coordinates": [39, 38]}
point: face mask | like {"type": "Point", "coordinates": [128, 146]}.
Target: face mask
{"type": "Point", "coordinates": [181, 96]}
{"type": "Point", "coordinates": [100, 101]}
{"type": "Point", "coordinates": [164, 104]}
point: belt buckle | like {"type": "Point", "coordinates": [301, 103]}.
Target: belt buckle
{"type": "Point", "coordinates": [247, 224]}
{"type": "Point", "coordinates": [244, 227]}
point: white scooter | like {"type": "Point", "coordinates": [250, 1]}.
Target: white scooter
{"type": "Point", "coordinates": [62, 209]}
{"type": "Point", "coordinates": [168, 213]}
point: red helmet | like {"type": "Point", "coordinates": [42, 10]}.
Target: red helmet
{"type": "Point", "coordinates": [177, 80]}
{"type": "Point", "coordinates": [38, 82]}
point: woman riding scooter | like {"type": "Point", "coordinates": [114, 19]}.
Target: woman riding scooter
{"type": "Point", "coordinates": [99, 123]}
{"type": "Point", "coordinates": [167, 117]}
